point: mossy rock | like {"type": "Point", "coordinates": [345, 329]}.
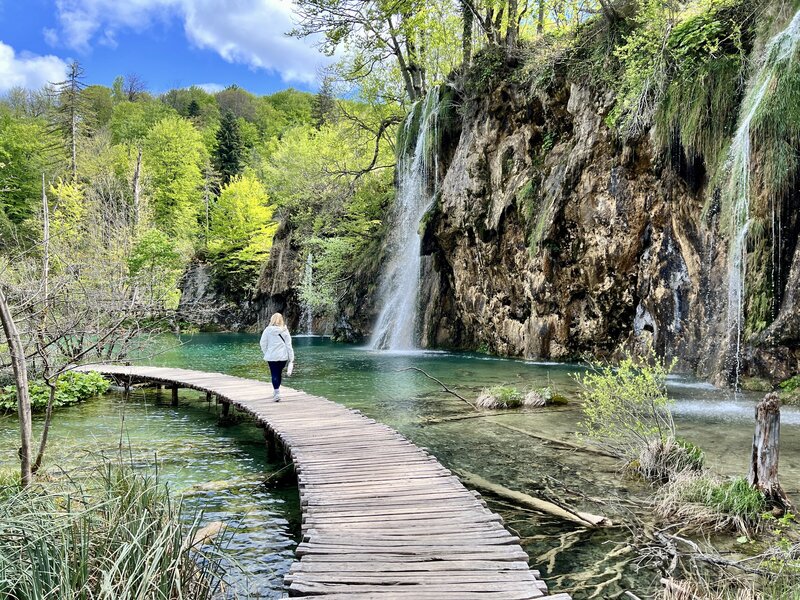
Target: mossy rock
{"type": "Point", "coordinates": [755, 384]}
{"type": "Point", "coordinates": [557, 399]}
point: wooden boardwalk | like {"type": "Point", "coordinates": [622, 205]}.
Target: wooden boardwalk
{"type": "Point", "coordinates": [381, 517]}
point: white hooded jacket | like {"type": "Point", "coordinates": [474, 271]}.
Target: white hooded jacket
{"type": "Point", "coordinates": [276, 344]}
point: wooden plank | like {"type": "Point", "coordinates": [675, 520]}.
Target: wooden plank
{"type": "Point", "coordinates": [381, 517]}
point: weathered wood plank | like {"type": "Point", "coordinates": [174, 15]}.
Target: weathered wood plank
{"type": "Point", "coordinates": [381, 517]}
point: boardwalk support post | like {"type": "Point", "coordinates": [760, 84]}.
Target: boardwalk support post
{"type": "Point", "coordinates": [174, 395]}
{"type": "Point", "coordinates": [226, 409]}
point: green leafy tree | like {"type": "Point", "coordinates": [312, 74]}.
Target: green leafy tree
{"type": "Point", "coordinates": [229, 150]}
{"type": "Point", "coordinates": [172, 159]}
{"type": "Point", "coordinates": [241, 233]}
{"type": "Point", "coordinates": [238, 101]}
{"type": "Point", "coordinates": [155, 265]}
{"type": "Point", "coordinates": [25, 152]}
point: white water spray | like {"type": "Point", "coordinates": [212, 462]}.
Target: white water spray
{"type": "Point", "coordinates": [777, 53]}
{"type": "Point", "coordinates": [417, 173]}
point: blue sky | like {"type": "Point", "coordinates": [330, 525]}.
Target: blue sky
{"type": "Point", "coordinates": [168, 43]}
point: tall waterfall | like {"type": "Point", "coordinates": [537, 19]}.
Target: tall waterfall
{"type": "Point", "coordinates": [417, 170]}
{"type": "Point", "coordinates": [778, 52]}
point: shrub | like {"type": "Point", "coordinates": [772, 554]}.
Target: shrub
{"type": "Point", "coordinates": [625, 407]}
{"type": "Point", "coordinates": [703, 501]}
{"type": "Point", "coordinates": [115, 533]}
{"type": "Point", "coordinates": [500, 396]}
{"type": "Point", "coordinates": [72, 387]}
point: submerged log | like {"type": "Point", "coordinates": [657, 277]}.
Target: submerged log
{"type": "Point", "coordinates": [525, 500]}
{"type": "Point", "coordinates": [764, 457]}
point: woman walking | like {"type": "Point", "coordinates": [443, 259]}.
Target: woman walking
{"type": "Point", "coordinates": [276, 344]}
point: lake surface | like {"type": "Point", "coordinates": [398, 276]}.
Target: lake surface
{"type": "Point", "coordinates": [222, 467]}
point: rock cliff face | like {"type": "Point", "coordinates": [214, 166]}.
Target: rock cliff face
{"type": "Point", "coordinates": [553, 239]}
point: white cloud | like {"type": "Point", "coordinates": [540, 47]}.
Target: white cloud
{"type": "Point", "coordinates": [211, 88]}
{"type": "Point", "coordinates": [28, 70]}
{"type": "Point", "coordinates": [249, 32]}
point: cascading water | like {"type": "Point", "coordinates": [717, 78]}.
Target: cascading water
{"type": "Point", "coordinates": [777, 53]}
{"type": "Point", "coordinates": [307, 314]}
{"type": "Point", "coordinates": [417, 174]}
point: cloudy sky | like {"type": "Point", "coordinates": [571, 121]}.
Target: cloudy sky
{"type": "Point", "coordinates": [169, 43]}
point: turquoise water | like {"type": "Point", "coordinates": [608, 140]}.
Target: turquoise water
{"type": "Point", "coordinates": [223, 466]}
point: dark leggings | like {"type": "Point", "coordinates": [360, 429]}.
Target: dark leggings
{"type": "Point", "coordinates": [276, 370]}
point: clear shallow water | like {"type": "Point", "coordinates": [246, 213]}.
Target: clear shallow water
{"type": "Point", "coordinates": [570, 559]}
{"type": "Point", "coordinates": [218, 469]}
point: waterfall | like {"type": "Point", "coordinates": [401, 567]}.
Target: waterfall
{"type": "Point", "coordinates": [778, 51]}
{"type": "Point", "coordinates": [417, 174]}
{"type": "Point", "coordinates": [307, 314]}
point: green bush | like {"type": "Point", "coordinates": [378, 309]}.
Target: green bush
{"type": "Point", "coordinates": [72, 387]}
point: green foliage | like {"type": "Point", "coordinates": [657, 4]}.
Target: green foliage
{"type": "Point", "coordinates": [132, 121]}
{"type": "Point", "coordinates": [229, 149]}
{"type": "Point", "coordinates": [733, 497]}
{"type": "Point", "coordinates": [173, 155]}
{"type": "Point", "coordinates": [681, 68]}
{"type": "Point", "coordinates": [72, 387]}
{"type": "Point", "coordinates": [627, 412]}
{"type": "Point", "coordinates": [241, 233]}
{"type": "Point", "coordinates": [156, 264]}
{"type": "Point", "coordinates": [25, 151]}
{"type": "Point", "coordinates": [791, 384]}
{"type": "Point", "coordinates": [114, 533]}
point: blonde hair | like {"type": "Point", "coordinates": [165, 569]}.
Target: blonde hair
{"type": "Point", "coordinates": [277, 319]}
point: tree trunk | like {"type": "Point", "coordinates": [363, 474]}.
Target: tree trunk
{"type": "Point", "coordinates": [540, 18]}
{"type": "Point", "coordinates": [21, 382]}
{"type": "Point", "coordinates": [137, 189]}
{"type": "Point", "coordinates": [466, 36]}
{"type": "Point", "coordinates": [512, 30]}
{"type": "Point", "coordinates": [766, 444]}
{"type": "Point", "coordinates": [46, 427]}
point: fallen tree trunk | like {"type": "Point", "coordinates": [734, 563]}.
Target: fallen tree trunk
{"type": "Point", "coordinates": [583, 519]}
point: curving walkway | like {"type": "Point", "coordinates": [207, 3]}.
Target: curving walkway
{"type": "Point", "coordinates": [381, 517]}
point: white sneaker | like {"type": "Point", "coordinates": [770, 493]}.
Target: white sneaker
{"type": "Point", "coordinates": [276, 396]}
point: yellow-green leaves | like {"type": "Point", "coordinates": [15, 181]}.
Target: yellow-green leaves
{"type": "Point", "coordinates": [173, 154]}
{"type": "Point", "coordinates": [241, 232]}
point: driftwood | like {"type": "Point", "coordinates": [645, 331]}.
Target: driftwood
{"type": "Point", "coordinates": [444, 387]}
{"type": "Point", "coordinates": [583, 519]}
{"type": "Point", "coordinates": [563, 443]}
{"type": "Point", "coordinates": [764, 457]}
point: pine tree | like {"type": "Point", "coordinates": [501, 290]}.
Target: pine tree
{"type": "Point", "coordinates": [193, 110]}
{"type": "Point", "coordinates": [229, 150]}
{"type": "Point", "coordinates": [323, 106]}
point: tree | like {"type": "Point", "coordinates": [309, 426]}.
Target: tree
{"type": "Point", "coordinates": [70, 110]}
{"type": "Point", "coordinates": [229, 149]}
{"type": "Point", "coordinates": [134, 87]}
{"type": "Point", "coordinates": [238, 101]}
{"type": "Point", "coordinates": [323, 107]}
{"type": "Point", "coordinates": [172, 157]}
{"type": "Point", "coordinates": [241, 233]}
{"type": "Point", "coordinates": [193, 110]}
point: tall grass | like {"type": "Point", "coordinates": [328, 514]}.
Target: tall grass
{"type": "Point", "coordinates": [112, 533]}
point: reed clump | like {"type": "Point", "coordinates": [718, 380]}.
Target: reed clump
{"type": "Point", "coordinates": [506, 396]}
{"type": "Point", "coordinates": [109, 532]}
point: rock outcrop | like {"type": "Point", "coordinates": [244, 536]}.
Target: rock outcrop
{"type": "Point", "coordinates": [553, 238]}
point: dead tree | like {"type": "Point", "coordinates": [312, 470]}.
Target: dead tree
{"type": "Point", "coordinates": [764, 458]}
